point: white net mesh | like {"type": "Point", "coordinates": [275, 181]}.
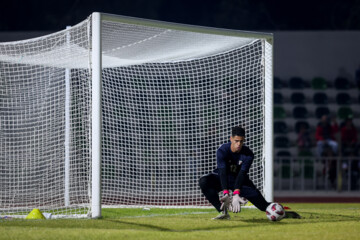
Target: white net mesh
{"type": "Point", "coordinates": [165, 116]}
{"type": "Point", "coordinates": [32, 133]}
{"type": "Point", "coordinates": [170, 98]}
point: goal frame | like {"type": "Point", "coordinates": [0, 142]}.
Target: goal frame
{"type": "Point", "coordinates": [96, 74]}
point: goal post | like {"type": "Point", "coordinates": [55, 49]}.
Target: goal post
{"type": "Point", "coordinates": [179, 89]}
{"type": "Point", "coordinates": [150, 102]}
{"type": "Point", "coordinates": [96, 74]}
{"type": "Point", "coordinates": [268, 123]}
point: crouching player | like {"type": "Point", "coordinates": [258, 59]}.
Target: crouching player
{"type": "Point", "coordinates": [234, 160]}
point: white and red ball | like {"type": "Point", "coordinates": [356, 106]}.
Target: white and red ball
{"type": "Point", "coordinates": [275, 212]}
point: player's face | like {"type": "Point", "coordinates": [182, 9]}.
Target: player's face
{"type": "Point", "coordinates": [236, 143]}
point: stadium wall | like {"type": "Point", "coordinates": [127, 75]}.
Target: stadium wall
{"type": "Point", "coordinates": [316, 54]}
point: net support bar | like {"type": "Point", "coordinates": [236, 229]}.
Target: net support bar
{"type": "Point", "coordinates": [96, 115]}
{"type": "Point", "coordinates": [67, 130]}
{"type": "Point", "coordinates": [268, 145]}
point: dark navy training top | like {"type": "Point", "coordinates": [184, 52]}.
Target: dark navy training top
{"type": "Point", "coordinates": [234, 164]}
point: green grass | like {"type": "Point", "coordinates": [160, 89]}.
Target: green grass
{"type": "Point", "coordinates": [320, 221]}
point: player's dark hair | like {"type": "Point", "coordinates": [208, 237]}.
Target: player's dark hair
{"type": "Point", "coordinates": [238, 131]}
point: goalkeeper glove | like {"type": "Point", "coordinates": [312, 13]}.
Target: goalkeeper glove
{"type": "Point", "coordinates": [225, 201]}
{"type": "Point", "coordinates": [236, 201]}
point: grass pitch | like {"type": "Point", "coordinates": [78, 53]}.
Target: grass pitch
{"type": "Point", "coordinates": [320, 221]}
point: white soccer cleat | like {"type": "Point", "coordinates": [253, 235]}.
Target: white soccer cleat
{"type": "Point", "coordinates": [224, 215]}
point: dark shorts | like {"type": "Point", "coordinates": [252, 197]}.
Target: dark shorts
{"type": "Point", "coordinates": [248, 190]}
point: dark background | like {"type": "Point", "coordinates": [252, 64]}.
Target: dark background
{"type": "Point", "coordinates": [49, 15]}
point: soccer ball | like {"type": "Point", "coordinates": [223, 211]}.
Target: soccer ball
{"type": "Point", "coordinates": [275, 212]}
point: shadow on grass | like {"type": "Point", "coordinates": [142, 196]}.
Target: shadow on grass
{"type": "Point", "coordinates": [329, 217]}
{"type": "Point", "coordinates": [236, 222]}
{"type": "Point", "coordinates": [140, 226]}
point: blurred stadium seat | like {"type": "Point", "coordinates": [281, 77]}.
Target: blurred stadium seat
{"type": "Point", "coordinates": [309, 168]}
{"type": "Point", "coordinates": [319, 83]}
{"type": "Point", "coordinates": [283, 153]}
{"type": "Point", "coordinates": [345, 112]}
{"type": "Point", "coordinates": [332, 98]}
{"type": "Point", "coordinates": [343, 99]}
{"type": "Point", "coordinates": [320, 98]}
{"type": "Point", "coordinates": [280, 127]}
{"type": "Point", "coordinates": [321, 111]}
{"type": "Point", "coordinates": [298, 124]}
{"type": "Point", "coordinates": [281, 142]}
{"type": "Point", "coordinates": [341, 83]}
{"type": "Point", "coordinates": [284, 158]}
{"type": "Point", "coordinates": [278, 98]}
{"type": "Point", "coordinates": [300, 112]}
{"type": "Point", "coordinates": [285, 168]}
{"type": "Point", "coordinates": [305, 153]}
{"type": "Point", "coordinates": [278, 83]}
{"type": "Point", "coordinates": [296, 83]}
{"type": "Point", "coordinates": [297, 98]}
{"type": "Point", "coordinates": [279, 112]}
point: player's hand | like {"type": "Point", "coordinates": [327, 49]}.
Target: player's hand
{"type": "Point", "coordinates": [236, 203]}
{"type": "Point", "coordinates": [225, 202]}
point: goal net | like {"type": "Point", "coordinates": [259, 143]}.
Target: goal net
{"type": "Point", "coordinates": [169, 96]}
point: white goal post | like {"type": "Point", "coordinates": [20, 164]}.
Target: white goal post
{"type": "Point", "coordinates": [118, 111]}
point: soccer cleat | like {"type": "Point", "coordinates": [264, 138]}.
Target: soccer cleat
{"type": "Point", "coordinates": [244, 201]}
{"type": "Point", "coordinates": [292, 214]}
{"type": "Point", "coordinates": [224, 215]}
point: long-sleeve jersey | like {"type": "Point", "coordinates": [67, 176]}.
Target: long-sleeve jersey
{"type": "Point", "coordinates": [234, 167]}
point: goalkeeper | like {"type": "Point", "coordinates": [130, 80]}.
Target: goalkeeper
{"type": "Point", "coordinates": [234, 160]}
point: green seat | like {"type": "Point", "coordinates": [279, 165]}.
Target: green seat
{"type": "Point", "coordinates": [308, 169]}
{"type": "Point", "coordinates": [279, 112]}
{"type": "Point", "coordinates": [305, 153]}
{"type": "Point", "coordinates": [318, 83]}
{"type": "Point", "coordinates": [344, 112]}
{"type": "Point", "coordinates": [285, 168]}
